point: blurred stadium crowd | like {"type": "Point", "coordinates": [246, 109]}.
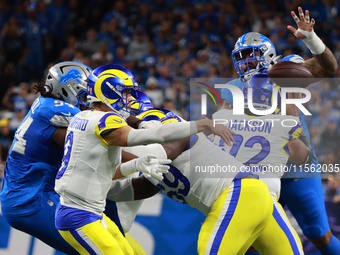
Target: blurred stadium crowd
{"type": "Point", "coordinates": [163, 43]}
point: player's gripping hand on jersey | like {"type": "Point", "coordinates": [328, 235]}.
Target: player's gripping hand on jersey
{"type": "Point", "coordinates": [148, 164]}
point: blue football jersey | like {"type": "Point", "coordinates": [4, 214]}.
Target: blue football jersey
{"type": "Point", "coordinates": [34, 158]}
{"type": "Point", "coordinates": [295, 171]}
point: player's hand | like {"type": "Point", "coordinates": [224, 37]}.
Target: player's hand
{"type": "Point", "coordinates": [224, 133]}
{"type": "Point", "coordinates": [150, 164]}
{"type": "Point", "coordinates": [206, 132]}
{"type": "Point", "coordinates": [149, 124]}
{"type": "Point", "coordinates": [304, 24]}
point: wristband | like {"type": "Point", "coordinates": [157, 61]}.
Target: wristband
{"type": "Point", "coordinates": [312, 41]}
{"type": "Point", "coordinates": [128, 167]}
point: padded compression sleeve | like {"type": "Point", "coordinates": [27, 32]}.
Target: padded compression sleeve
{"type": "Point", "coordinates": [165, 133]}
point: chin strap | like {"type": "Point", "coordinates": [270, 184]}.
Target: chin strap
{"type": "Point", "coordinates": [275, 60]}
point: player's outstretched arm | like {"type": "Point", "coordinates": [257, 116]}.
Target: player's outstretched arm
{"type": "Point", "coordinates": [323, 64]}
{"type": "Point", "coordinates": [126, 136]}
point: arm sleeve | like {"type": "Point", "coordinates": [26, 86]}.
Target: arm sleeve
{"type": "Point", "coordinates": [154, 149]}
{"type": "Point", "coordinates": [166, 133]}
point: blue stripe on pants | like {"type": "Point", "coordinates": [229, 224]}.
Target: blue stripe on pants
{"type": "Point", "coordinates": [227, 217]}
{"type": "Point", "coordinates": [80, 240]}
{"type": "Point", "coordinates": [287, 231]}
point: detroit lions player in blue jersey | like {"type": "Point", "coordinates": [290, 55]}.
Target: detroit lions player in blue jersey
{"type": "Point", "coordinates": [28, 199]}
{"type": "Point", "coordinates": [300, 191]}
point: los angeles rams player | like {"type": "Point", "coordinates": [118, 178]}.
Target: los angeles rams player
{"type": "Point", "coordinates": [301, 191]}
{"type": "Point", "coordinates": [127, 211]}
{"type": "Point", "coordinates": [185, 184]}
{"type": "Point", "coordinates": [28, 199]}
{"type": "Point", "coordinates": [263, 142]}
{"type": "Point", "coordinates": [92, 158]}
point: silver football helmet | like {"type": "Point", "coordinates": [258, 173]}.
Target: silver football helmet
{"type": "Point", "coordinates": [68, 81]}
{"type": "Point", "coordinates": [253, 53]}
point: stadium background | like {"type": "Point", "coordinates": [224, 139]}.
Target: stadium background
{"type": "Point", "coordinates": [164, 43]}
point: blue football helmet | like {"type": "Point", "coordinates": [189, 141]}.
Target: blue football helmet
{"type": "Point", "coordinates": [139, 102]}
{"type": "Point", "coordinates": [108, 83]}
{"type": "Point", "coordinates": [253, 48]}
{"type": "Point", "coordinates": [67, 81]}
{"type": "Point", "coordinates": [262, 89]}
{"type": "Point", "coordinates": [162, 115]}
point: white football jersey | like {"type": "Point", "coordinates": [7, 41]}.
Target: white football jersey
{"type": "Point", "coordinates": [89, 163]}
{"type": "Point", "coordinates": [199, 175]}
{"type": "Point", "coordinates": [261, 142]}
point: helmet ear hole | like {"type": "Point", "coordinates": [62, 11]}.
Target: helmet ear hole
{"type": "Point", "coordinates": [64, 92]}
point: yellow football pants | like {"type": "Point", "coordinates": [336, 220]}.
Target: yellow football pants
{"type": "Point", "coordinates": [278, 237]}
{"type": "Point", "coordinates": [99, 237]}
{"type": "Point", "coordinates": [236, 218]}
{"type": "Point", "coordinates": [244, 214]}
{"type": "Point", "coordinates": [137, 248]}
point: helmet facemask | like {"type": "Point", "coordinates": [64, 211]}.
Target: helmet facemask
{"type": "Point", "coordinates": [253, 53]}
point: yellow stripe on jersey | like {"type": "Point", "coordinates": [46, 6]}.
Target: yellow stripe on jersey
{"type": "Point", "coordinates": [278, 108]}
{"type": "Point", "coordinates": [294, 133]}
{"type": "Point", "coordinates": [110, 120]}
{"type": "Point", "coordinates": [285, 149]}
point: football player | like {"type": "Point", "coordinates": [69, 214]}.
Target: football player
{"type": "Point", "coordinates": [28, 199]}
{"type": "Point", "coordinates": [265, 142]}
{"type": "Point", "coordinates": [186, 184]}
{"type": "Point", "coordinates": [92, 158]}
{"type": "Point", "coordinates": [301, 190]}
